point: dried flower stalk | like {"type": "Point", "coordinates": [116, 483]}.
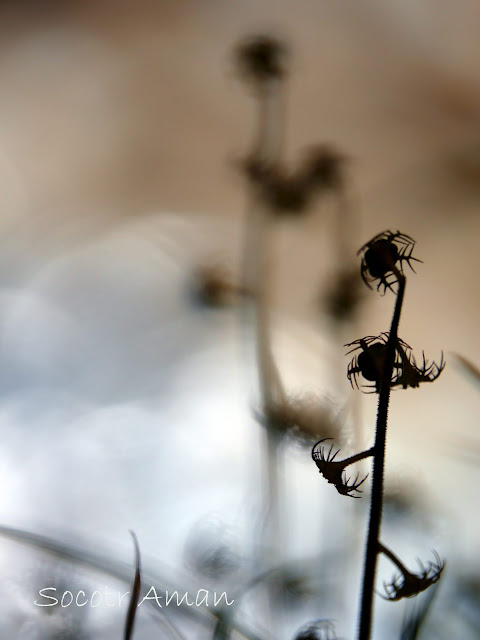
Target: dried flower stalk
{"type": "Point", "coordinates": [385, 362]}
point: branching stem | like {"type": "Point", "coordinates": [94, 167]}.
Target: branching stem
{"type": "Point", "coordinates": [359, 456]}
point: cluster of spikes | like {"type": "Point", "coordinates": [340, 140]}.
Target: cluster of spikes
{"type": "Point", "coordinates": [407, 584]}
{"type": "Point", "coordinates": [383, 258]}
{"type": "Point", "coordinates": [369, 362]}
{"type": "Point", "coordinates": [334, 470]}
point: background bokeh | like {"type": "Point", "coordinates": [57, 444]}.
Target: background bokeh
{"type": "Point", "coordinates": [124, 405]}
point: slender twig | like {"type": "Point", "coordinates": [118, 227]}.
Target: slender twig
{"type": "Point", "coordinates": [392, 557]}
{"type": "Point", "coordinates": [359, 456]}
{"type": "Point", "coordinates": [376, 504]}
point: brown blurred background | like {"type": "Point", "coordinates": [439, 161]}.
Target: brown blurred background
{"type": "Point", "coordinates": [114, 109]}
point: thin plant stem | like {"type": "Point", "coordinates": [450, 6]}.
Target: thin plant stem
{"type": "Point", "coordinates": [376, 504]}
{"type": "Point", "coordinates": [257, 274]}
{"type": "Point", "coordinates": [392, 557]}
{"type": "Point", "coordinates": [359, 456]}
{"type": "Point", "coordinates": [271, 389]}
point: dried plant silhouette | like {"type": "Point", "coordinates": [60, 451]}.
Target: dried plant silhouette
{"type": "Point", "coordinates": [334, 470]}
{"type": "Point", "coordinates": [384, 362]}
{"type": "Point", "coordinates": [379, 363]}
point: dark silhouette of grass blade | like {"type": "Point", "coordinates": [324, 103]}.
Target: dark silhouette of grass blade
{"type": "Point", "coordinates": [468, 367]}
{"type": "Point", "coordinates": [136, 587]}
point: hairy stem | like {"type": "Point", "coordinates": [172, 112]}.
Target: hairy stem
{"type": "Point", "coordinates": [376, 504]}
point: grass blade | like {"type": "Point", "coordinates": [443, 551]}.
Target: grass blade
{"type": "Point", "coordinates": [136, 587]}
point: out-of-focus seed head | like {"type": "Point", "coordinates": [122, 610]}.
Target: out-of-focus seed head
{"type": "Point", "coordinates": [212, 286]}
{"type": "Point", "coordinates": [303, 418]}
{"type": "Point", "coordinates": [284, 193]}
{"type": "Point", "coordinates": [210, 549]}
{"type": "Point", "coordinates": [290, 192]}
{"type": "Point", "coordinates": [317, 630]}
{"type": "Point", "coordinates": [323, 167]}
{"type": "Point", "coordinates": [261, 58]}
{"type": "Point", "coordinates": [344, 296]}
